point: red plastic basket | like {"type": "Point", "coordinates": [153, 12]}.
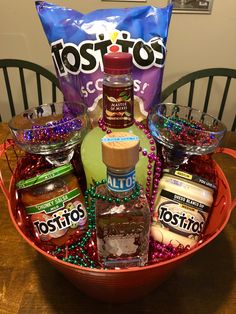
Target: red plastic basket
{"type": "Point", "coordinates": [129, 284]}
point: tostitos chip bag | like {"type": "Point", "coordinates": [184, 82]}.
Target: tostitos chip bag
{"type": "Point", "coordinates": [79, 41]}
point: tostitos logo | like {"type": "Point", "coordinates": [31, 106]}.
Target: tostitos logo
{"type": "Point", "coordinates": [88, 55]}
{"type": "Point", "coordinates": [57, 224]}
{"type": "Point", "coordinates": [179, 220]}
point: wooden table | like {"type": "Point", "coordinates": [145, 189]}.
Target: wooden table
{"type": "Point", "coordinates": [204, 284]}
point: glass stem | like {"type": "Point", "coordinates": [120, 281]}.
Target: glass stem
{"type": "Point", "coordinates": [173, 158]}
{"type": "Point", "coordinates": [61, 158]}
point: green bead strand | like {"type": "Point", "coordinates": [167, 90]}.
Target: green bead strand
{"type": "Point", "coordinates": [92, 193]}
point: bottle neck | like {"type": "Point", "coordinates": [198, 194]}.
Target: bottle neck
{"type": "Point", "coordinates": [120, 183]}
{"type": "Point", "coordinates": [117, 79]}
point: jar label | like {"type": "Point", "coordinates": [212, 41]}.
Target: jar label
{"type": "Point", "coordinates": [179, 220]}
{"type": "Point", "coordinates": [120, 183]}
{"type": "Point", "coordinates": [118, 108]}
{"type": "Point", "coordinates": [185, 201]}
{"type": "Point", "coordinates": [53, 204]}
{"type": "Point", "coordinates": [190, 177]}
{"type": "Point", "coordinates": [52, 219]}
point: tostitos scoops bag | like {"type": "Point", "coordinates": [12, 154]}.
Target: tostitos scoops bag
{"type": "Point", "coordinates": [79, 41]}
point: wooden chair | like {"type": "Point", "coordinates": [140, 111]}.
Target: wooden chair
{"type": "Point", "coordinates": [34, 72]}
{"type": "Point", "coordinates": [208, 74]}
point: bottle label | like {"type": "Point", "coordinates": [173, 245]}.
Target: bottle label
{"type": "Point", "coordinates": [120, 183]}
{"type": "Point", "coordinates": [123, 240]}
{"type": "Point", "coordinates": [120, 139]}
{"type": "Point", "coordinates": [53, 218]}
{"type": "Point", "coordinates": [118, 107]}
{"type": "Point", "coordinates": [178, 219]}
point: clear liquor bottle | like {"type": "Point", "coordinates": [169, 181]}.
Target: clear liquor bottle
{"type": "Point", "coordinates": [118, 107]}
{"type": "Point", "coordinates": [122, 211]}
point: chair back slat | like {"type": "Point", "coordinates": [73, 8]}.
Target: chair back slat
{"type": "Point", "coordinates": [226, 90]}
{"type": "Point", "coordinates": [9, 93]}
{"type": "Point", "coordinates": [208, 94]}
{"type": "Point", "coordinates": [54, 93]}
{"type": "Point", "coordinates": [234, 125]}
{"type": "Point", "coordinates": [191, 91]}
{"type": "Point", "coordinates": [39, 88]}
{"type": "Point", "coordinates": [23, 88]}
{"type": "Point", "coordinates": [174, 98]}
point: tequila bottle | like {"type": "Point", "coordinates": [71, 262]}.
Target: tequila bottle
{"type": "Point", "coordinates": [122, 211]}
{"type": "Point", "coordinates": [118, 108]}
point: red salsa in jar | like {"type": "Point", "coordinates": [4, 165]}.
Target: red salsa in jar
{"type": "Point", "coordinates": [55, 205]}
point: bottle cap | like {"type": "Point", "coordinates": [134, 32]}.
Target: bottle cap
{"type": "Point", "coordinates": [117, 63]}
{"type": "Point", "coordinates": [120, 150]}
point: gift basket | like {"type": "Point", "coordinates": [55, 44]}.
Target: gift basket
{"type": "Point", "coordinates": [116, 203]}
{"type": "Point", "coordinates": [128, 284]}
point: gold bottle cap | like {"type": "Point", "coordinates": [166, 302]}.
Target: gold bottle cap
{"type": "Point", "coordinates": [120, 150]}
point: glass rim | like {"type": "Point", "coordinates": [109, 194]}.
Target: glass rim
{"type": "Point", "coordinates": [224, 128]}
{"type": "Point", "coordinates": [10, 123]}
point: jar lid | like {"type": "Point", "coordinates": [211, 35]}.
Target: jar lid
{"type": "Point", "coordinates": [117, 63]}
{"type": "Point", "coordinates": [57, 172]}
{"type": "Point", "coordinates": [120, 150]}
{"type": "Point", "coordinates": [190, 177]}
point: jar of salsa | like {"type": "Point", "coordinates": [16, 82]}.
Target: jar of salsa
{"type": "Point", "coordinates": [55, 204]}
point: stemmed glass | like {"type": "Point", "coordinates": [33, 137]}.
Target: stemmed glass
{"type": "Point", "coordinates": [52, 130]}
{"type": "Point", "coordinates": [184, 131]}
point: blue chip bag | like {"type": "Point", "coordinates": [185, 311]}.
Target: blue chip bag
{"type": "Point", "coordinates": [79, 41]}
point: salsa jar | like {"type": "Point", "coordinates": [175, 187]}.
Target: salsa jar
{"type": "Point", "coordinates": [182, 208]}
{"type": "Point", "coordinates": [55, 205]}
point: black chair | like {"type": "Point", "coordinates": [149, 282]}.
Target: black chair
{"type": "Point", "coordinates": [209, 75]}
{"type": "Point", "coordinates": [34, 72]}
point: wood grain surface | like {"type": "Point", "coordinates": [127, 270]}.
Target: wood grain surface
{"type": "Point", "coordinates": [204, 284]}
